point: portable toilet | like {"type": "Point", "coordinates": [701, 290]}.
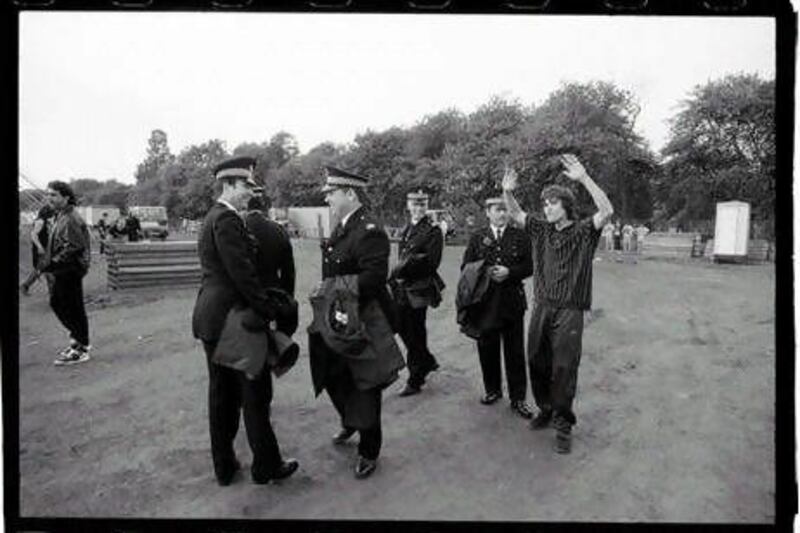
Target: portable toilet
{"type": "Point", "coordinates": [732, 231]}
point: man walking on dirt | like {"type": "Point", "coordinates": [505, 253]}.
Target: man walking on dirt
{"type": "Point", "coordinates": [354, 259]}
{"type": "Point", "coordinates": [563, 249]}
{"type": "Point", "coordinates": [230, 280]}
{"type": "Point", "coordinates": [416, 286]}
{"type": "Point", "coordinates": [67, 259]}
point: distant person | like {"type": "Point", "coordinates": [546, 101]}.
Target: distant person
{"type": "Point", "coordinates": [67, 259]}
{"type": "Point", "coordinates": [133, 228]}
{"type": "Point", "coordinates": [39, 237]}
{"type": "Point", "coordinates": [118, 230]}
{"type": "Point", "coordinates": [617, 235]}
{"type": "Point", "coordinates": [506, 253]}
{"type": "Point", "coordinates": [627, 238]}
{"type": "Point", "coordinates": [102, 230]}
{"type": "Point", "coordinates": [229, 280]}
{"type": "Point", "coordinates": [416, 285]}
{"type": "Point", "coordinates": [608, 237]}
{"type": "Point", "coordinates": [563, 249]}
{"type": "Point", "coordinates": [641, 232]}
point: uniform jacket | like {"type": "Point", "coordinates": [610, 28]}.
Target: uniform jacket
{"type": "Point", "coordinates": [414, 280]}
{"type": "Point", "coordinates": [359, 249]}
{"type": "Point", "coordinates": [274, 256]}
{"type": "Point", "coordinates": [503, 301]}
{"type": "Point", "coordinates": [229, 275]}
{"type": "Point", "coordinates": [69, 244]}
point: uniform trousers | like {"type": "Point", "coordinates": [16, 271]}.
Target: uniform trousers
{"type": "Point", "coordinates": [555, 340]}
{"type": "Point", "coordinates": [66, 299]}
{"type": "Point", "coordinates": [230, 391]}
{"type": "Point", "coordinates": [514, 359]}
{"type": "Point", "coordinates": [358, 409]}
{"type": "Point", "coordinates": [415, 336]}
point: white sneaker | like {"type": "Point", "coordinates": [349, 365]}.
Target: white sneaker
{"type": "Point", "coordinates": [73, 356]}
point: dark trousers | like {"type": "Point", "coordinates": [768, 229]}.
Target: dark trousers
{"type": "Point", "coordinates": [514, 356]}
{"type": "Point", "coordinates": [66, 299]}
{"type": "Point", "coordinates": [415, 336]}
{"type": "Point", "coordinates": [358, 409]}
{"type": "Point", "coordinates": [555, 340]}
{"type": "Point", "coordinates": [230, 391]}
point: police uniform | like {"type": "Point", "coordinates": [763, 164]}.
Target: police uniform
{"type": "Point", "coordinates": [358, 247]}
{"type": "Point", "coordinates": [229, 280]}
{"type": "Point", "coordinates": [416, 286]}
{"type": "Point", "coordinates": [502, 310]}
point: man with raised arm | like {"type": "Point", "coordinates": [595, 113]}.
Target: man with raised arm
{"type": "Point", "coordinates": [563, 249]}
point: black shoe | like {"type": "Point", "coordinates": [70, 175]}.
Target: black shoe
{"type": "Point", "coordinates": [490, 398]}
{"type": "Point", "coordinates": [434, 367]}
{"type": "Point", "coordinates": [410, 390]}
{"type": "Point", "coordinates": [542, 420]}
{"type": "Point", "coordinates": [365, 467]}
{"type": "Point", "coordinates": [226, 477]}
{"type": "Point", "coordinates": [286, 469]}
{"type": "Point", "coordinates": [521, 408]}
{"type": "Point", "coordinates": [343, 435]}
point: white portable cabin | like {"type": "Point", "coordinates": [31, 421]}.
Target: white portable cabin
{"type": "Point", "coordinates": [311, 221]}
{"type": "Point", "coordinates": [732, 231]}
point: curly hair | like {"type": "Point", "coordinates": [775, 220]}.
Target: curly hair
{"type": "Point", "coordinates": [561, 193]}
{"type": "Point", "coordinates": [64, 189]}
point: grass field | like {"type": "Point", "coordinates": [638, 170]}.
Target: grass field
{"type": "Point", "coordinates": [675, 414]}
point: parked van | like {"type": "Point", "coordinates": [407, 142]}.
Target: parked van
{"type": "Point", "coordinates": [153, 220]}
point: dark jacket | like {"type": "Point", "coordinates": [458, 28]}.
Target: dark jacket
{"type": "Point", "coordinates": [69, 244]}
{"type": "Point", "coordinates": [228, 274]}
{"type": "Point", "coordinates": [504, 301]}
{"type": "Point", "coordinates": [274, 256]}
{"type": "Point", "coordinates": [365, 341]}
{"type": "Point", "coordinates": [472, 286]}
{"type": "Point", "coordinates": [359, 249]}
{"type": "Point", "coordinates": [414, 281]}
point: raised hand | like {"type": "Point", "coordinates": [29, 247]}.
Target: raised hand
{"type": "Point", "coordinates": [509, 179]}
{"type": "Point", "coordinates": [573, 169]}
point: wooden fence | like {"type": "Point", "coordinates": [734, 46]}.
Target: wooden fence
{"type": "Point", "coordinates": [669, 245]}
{"type": "Point", "coordinates": [152, 264]}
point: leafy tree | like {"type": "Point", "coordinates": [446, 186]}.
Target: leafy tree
{"type": "Point", "coordinates": [158, 155]}
{"type": "Point", "coordinates": [721, 147]}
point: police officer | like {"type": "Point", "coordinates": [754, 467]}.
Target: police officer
{"type": "Point", "coordinates": [416, 285]}
{"type": "Point", "coordinates": [229, 279]}
{"type": "Point", "coordinates": [506, 251]}
{"type": "Point", "coordinates": [358, 247]}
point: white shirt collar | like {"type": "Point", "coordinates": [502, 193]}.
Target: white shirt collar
{"type": "Point", "coordinates": [226, 204]}
{"type": "Point", "coordinates": [347, 216]}
{"type": "Point", "coordinates": [498, 231]}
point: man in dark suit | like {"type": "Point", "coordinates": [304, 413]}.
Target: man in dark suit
{"type": "Point", "coordinates": [358, 246]}
{"type": "Point", "coordinates": [274, 257]}
{"type": "Point", "coordinates": [506, 251]}
{"type": "Point", "coordinates": [229, 279]}
{"type": "Point", "coordinates": [416, 285]}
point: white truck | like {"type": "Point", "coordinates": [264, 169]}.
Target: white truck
{"type": "Point", "coordinates": [152, 219]}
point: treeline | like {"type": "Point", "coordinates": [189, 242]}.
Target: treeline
{"type": "Point", "coordinates": [721, 147]}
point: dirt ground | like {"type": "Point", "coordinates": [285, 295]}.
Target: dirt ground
{"type": "Point", "coordinates": [675, 414]}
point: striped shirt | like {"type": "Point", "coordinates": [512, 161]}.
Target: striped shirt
{"type": "Point", "coordinates": [562, 262]}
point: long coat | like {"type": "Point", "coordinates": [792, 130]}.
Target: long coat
{"type": "Point", "coordinates": [415, 281]}
{"type": "Point", "coordinates": [505, 301]}
{"type": "Point", "coordinates": [360, 248]}
{"type": "Point", "coordinates": [229, 275]}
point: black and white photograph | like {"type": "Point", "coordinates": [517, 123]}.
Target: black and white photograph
{"type": "Point", "coordinates": [420, 267]}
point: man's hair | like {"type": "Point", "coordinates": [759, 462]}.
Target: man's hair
{"type": "Point", "coordinates": [64, 189]}
{"type": "Point", "coordinates": [561, 193]}
{"type": "Point", "coordinates": [46, 212]}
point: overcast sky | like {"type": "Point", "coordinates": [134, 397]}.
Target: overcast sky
{"type": "Point", "coordinates": [93, 85]}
